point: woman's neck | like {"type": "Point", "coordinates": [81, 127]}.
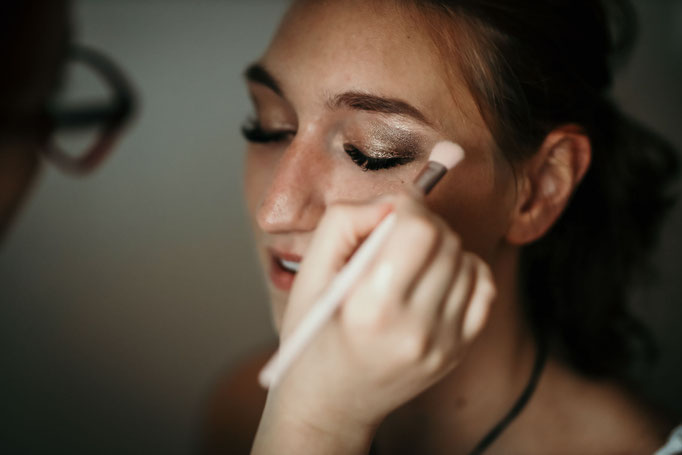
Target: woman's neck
{"type": "Point", "coordinates": [457, 412]}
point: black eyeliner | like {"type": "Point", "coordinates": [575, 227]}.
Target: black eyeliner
{"type": "Point", "coordinates": [254, 132]}
{"type": "Point", "coordinates": [368, 163]}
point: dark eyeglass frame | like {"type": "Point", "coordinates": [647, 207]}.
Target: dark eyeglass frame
{"type": "Point", "coordinates": [109, 117]}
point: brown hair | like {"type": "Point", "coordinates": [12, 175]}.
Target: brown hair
{"type": "Point", "coordinates": [534, 65]}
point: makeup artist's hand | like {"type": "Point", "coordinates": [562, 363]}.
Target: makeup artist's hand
{"type": "Point", "coordinates": [403, 326]}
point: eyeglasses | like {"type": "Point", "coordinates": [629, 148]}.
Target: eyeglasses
{"type": "Point", "coordinates": [102, 120]}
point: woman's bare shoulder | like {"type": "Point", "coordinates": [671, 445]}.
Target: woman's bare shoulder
{"type": "Point", "coordinates": [234, 407]}
{"type": "Point", "coordinates": [602, 415]}
{"type": "Point", "coordinates": [628, 420]}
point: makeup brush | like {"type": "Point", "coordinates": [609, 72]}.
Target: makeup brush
{"type": "Point", "coordinates": [444, 156]}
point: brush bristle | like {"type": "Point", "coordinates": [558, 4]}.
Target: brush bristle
{"type": "Point", "coordinates": [447, 153]}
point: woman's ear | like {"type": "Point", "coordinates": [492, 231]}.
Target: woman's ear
{"type": "Point", "coordinates": [547, 183]}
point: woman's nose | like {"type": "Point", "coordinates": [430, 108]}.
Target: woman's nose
{"type": "Point", "coordinates": [294, 200]}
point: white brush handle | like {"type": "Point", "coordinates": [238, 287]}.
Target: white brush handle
{"type": "Point", "coordinates": [324, 307]}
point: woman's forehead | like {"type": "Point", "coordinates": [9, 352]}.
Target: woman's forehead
{"type": "Point", "coordinates": [324, 48]}
{"type": "Point", "coordinates": [362, 40]}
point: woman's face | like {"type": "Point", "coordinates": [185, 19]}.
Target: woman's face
{"type": "Point", "coordinates": [349, 99]}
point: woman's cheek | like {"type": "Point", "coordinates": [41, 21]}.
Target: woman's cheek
{"type": "Point", "coordinates": [258, 171]}
{"type": "Point", "coordinates": [476, 203]}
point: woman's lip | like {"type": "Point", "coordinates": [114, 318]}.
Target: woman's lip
{"type": "Point", "coordinates": [282, 278]}
{"type": "Point", "coordinates": [286, 256]}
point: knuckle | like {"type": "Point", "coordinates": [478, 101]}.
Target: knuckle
{"type": "Point", "coordinates": [385, 303]}
{"type": "Point", "coordinates": [489, 290]}
{"type": "Point", "coordinates": [404, 196]}
{"type": "Point", "coordinates": [414, 347]}
{"type": "Point", "coordinates": [469, 260]}
{"type": "Point", "coordinates": [451, 243]}
{"type": "Point", "coordinates": [469, 256]}
{"type": "Point", "coordinates": [407, 199]}
{"type": "Point", "coordinates": [420, 227]}
{"type": "Point", "coordinates": [373, 318]}
{"type": "Point", "coordinates": [436, 361]}
{"type": "Point", "coordinates": [486, 280]}
{"type": "Point", "coordinates": [387, 198]}
{"type": "Point", "coordinates": [456, 239]}
{"type": "Point", "coordinates": [481, 264]}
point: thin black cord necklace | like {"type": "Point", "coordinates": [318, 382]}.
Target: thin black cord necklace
{"type": "Point", "coordinates": [521, 401]}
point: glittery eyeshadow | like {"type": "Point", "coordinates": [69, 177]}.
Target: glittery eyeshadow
{"type": "Point", "coordinates": [388, 142]}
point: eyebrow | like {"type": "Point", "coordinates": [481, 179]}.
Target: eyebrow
{"type": "Point", "coordinates": [361, 101]}
{"type": "Point", "coordinates": [372, 103]}
{"type": "Point", "coordinates": [258, 74]}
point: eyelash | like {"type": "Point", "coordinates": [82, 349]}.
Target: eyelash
{"type": "Point", "coordinates": [368, 163]}
{"type": "Point", "coordinates": [254, 132]}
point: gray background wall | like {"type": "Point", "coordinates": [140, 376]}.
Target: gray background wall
{"type": "Point", "coordinates": [124, 295]}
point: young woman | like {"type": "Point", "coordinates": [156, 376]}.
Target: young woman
{"type": "Point", "coordinates": [494, 319]}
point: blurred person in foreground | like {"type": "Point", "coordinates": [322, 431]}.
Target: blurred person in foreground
{"type": "Point", "coordinates": [35, 51]}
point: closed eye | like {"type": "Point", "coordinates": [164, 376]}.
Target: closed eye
{"type": "Point", "coordinates": [368, 163]}
{"type": "Point", "coordinates": [254, 132]}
